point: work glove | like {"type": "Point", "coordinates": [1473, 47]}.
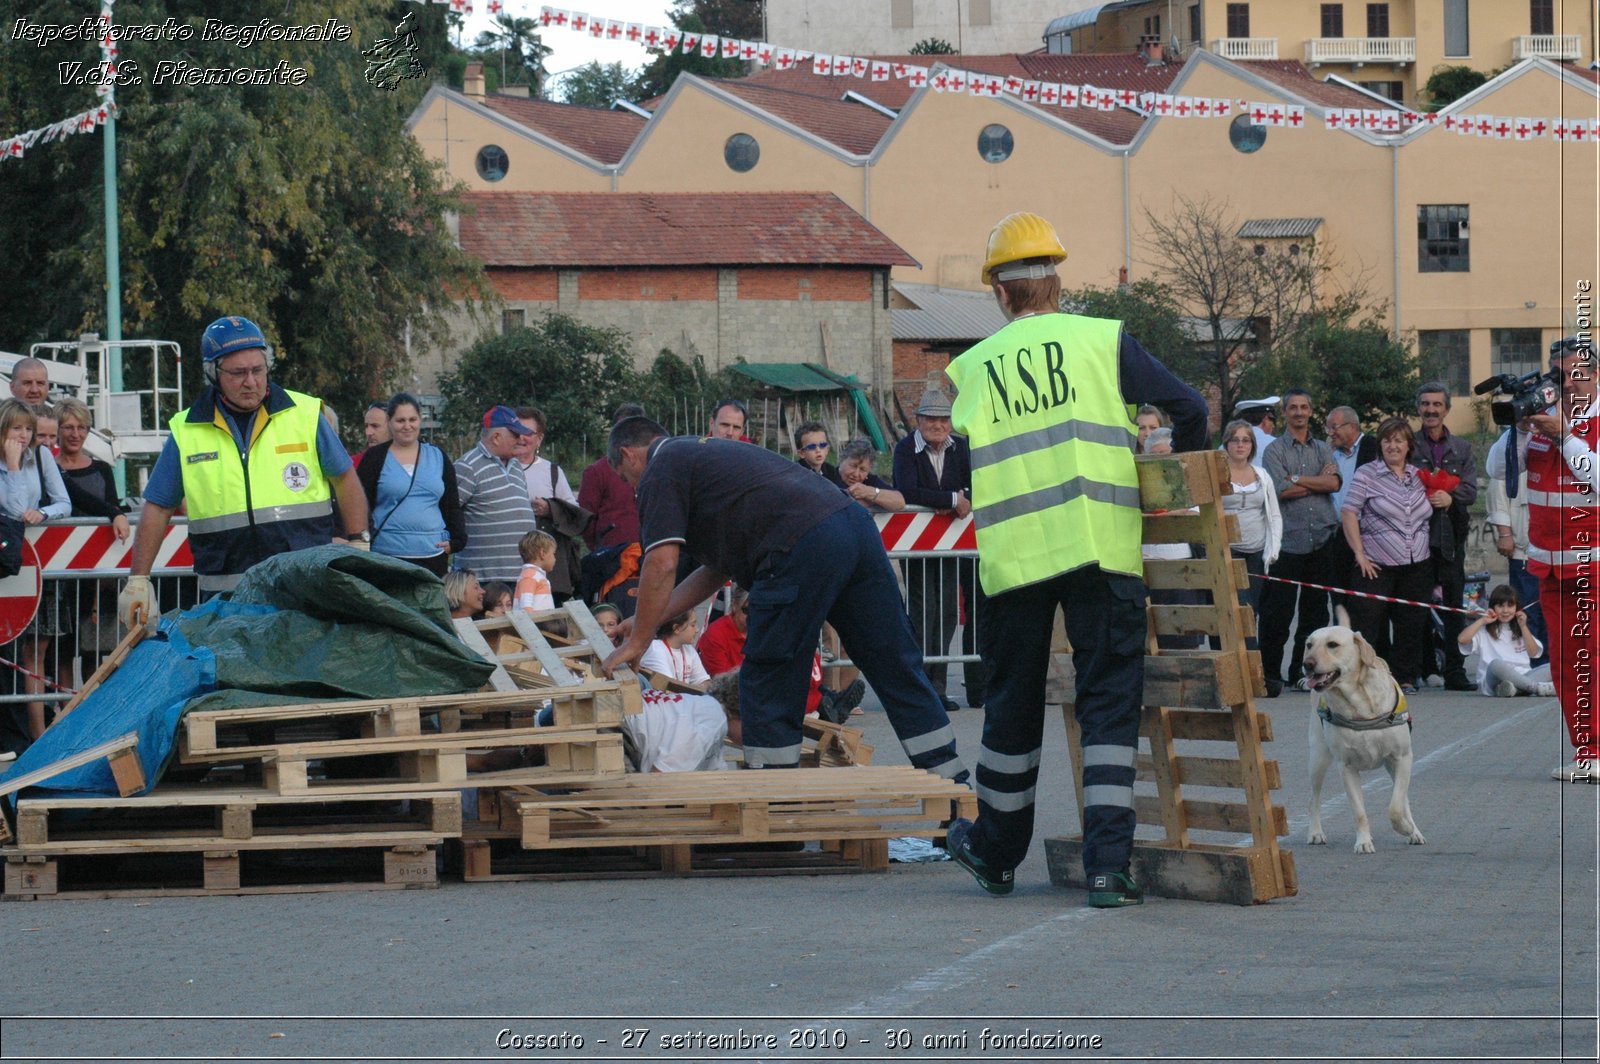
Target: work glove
{"type": "Point", "coordinates": [137, 603]}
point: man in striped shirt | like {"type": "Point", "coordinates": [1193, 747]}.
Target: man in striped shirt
{"type": "Point", "coordinates": [494, 499]}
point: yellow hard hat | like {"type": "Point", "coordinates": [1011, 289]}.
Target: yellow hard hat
{"type": "Point", "coordinates": [1022, 236]}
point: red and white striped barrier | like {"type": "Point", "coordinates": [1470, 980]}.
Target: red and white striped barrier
{"type": "Point", "coordinates": [80, 548]}
{"type": "Point", "coordinates": [926, 530]}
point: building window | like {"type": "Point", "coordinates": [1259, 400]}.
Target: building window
{"type": "Point", "coordinates": [1447, 356]}
{"type": "Point", "coordinates": [900, 14]}
{"type": "Point", "coordinates": [1516, 351]}
{"type": "Point", "coordinates": [1542, 17]}
{"type": "Point", "coordinates": [978, 13]}
{"type": "Point", "coordinates": [1152, 26]}
{"type": "Point", "coordinates": [1391, 90]}
{"type": "Point", "coordinates": [512, 320]}
{"type": "Point", "coordinates": [741, 153]}
{"type": "Point", "coordinates": [492, 162]}
{"type": "Point", "coordinates": [1442, 238]}
{"type": "Point", "coordinates": [1194, 23]}
{"type": "Point", "coordinates": [1245, 136]}
{"type": "Point", "coordinates": [1238, 20]}
{"type": "Point", "coordinates": [1333, 20]}
{"type": "Point", "coordinates": [1456, 42]}
{"type": "Point", "coordinates": [1377, 20]}
{"type": "Point", "coordinates": [995, 143]}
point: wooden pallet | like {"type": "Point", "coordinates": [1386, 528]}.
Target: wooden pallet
{"type": "Point", "coordinates": [490, 860]}
{"type": "Point", "coordinates": [735, 807]}
{"type": "Point", "coordinates": [347, 862]}
{"type": "Point", "coordinates": [528, 655]}
{"type": "Point", "coordinates": [1182, 693]}
{"type": "Point", "coordinates": [190, 816]}
{"type": "Point", "coordinates": [252, 732]}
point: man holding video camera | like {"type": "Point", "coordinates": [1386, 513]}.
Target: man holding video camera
{"type": "Point", "coordinates": [1557, 447]}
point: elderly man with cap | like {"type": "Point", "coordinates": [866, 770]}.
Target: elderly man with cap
{"type": "Point", "coordinates": [1261, 416]}
{"type": "Point", "coordinates": [494, 498]}
{"type": "Point", "coordinates": [1046, 403]}
{"type": "Point", "coordinates": [932, 469]}
{"type": "Point", "coordinates": [258, 465]}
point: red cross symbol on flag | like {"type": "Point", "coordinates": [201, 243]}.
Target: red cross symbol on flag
{"type": "Point", "coordinates": [841, 65]}
{"type": "Point", "coordinates": [691, 43]}
{"type": "Point", "coordinates": [1523, 130]}
{"type": "Point", "coordinates": [670, 41]}
{"type": "Point", "coordinates": [858, 67]}
{"type": "Point", "coordinates": [1295, 116]}
{"type": "Point", "coordinates": [597, 27]}
{"type": "Point", "coordinates": [1258, 116]}
{"type": "Point", "coordinates": [1181, 107]}
{"type": "Point", "coordinates": [1276, 116]}
{"type": "Point", "coordinates": [1502, 130]}
{"type": "Point", "coordinates": [561, 18]}
{"type": "Point", "coordinates": [1538, 127]}
{"type": "Point", "coordinates": [899, 70]}
{"type": "Point", "coordinates": [634, 32]}
{"type": "Point", "coordinates": [1578, 130]}
{"type": "Point", "coordinates": [1202, 107]}
{"type": "Point", "coordinates": [880, 71]}
{"type": "Point", "coordinates": [1450, 122]}
{"type": "Point", "coordinates": [708, 46]}
{"type": "Point", "coordinates": [547, 15]}
{"type": "Point", "coordinates": [731, 47]}
{"type": "Point", "coordinates": [785, 59]}
{"type": "Point", "coordinates": [580, 22]}
{"type": "Point", "coordinates": [1391, 121]}
{"type": "Point", "coordinates": [16, 149]}
{"type": "Point", "coordinates": [1371, 119]}
{"type": "Point", "coordinates": [1127, 97]}
{"type": "Point", "coordinates": [821, 64]}
{"type": "Point", "coordinates": [458, 5]}
{"type": "Point", "coordinates": [748, 50]}
{"type": "Point", "coordinates": [1333, 118]}
{"type": "Point", "coordinates": [494, 7]}
{"type": "Point", "coordinates": [1069, 96]}
{"type": "Point", "coordinates": [958, 82]}
{"type": "Point", "coordinates": [613, 30]}
{"type": "Point", "coordinates": [764, 55]}
{"type": "Point", "coordinates": [101, 115]}
{"type": "Point", "coordinates": [1030, 91]}
{"type": "Point", "coordinates": [1558, 129]}
{"type": "Point", "coordinates": [941, 82]}
{"type": "Point", "coordinates": [1485, 127]}
{"type": "Point", "coordinates": [1411, 118]}
{"type": "Point", "coordinates": [918, 77]}
{"type": "Point", "coordinates": [1223, 108]}
{"type": "Point", "coordinates": [1049, 93]}
{"type": "Point", "coordinates": [652, 36]}
{"type": "Point", "coordinates": [1013, 85]}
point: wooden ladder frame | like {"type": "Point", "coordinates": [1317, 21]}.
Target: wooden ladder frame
{"type": "Point", "coordinates": [1193, 695]}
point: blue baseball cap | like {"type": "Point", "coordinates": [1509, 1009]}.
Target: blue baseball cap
{"type": "Point", "coordinates": [503, 417]}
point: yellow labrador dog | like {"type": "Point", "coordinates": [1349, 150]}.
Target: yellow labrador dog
{"type": "Point", "coordinates": [1359, 720]}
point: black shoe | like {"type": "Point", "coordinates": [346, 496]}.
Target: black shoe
{"type": "Point", "coordinates": [991, 880]}
{"type": "Point", "coordinates": [950, 705]}
{"type": "Point", "coordinates": [1457, 681]}
{"type": "Point", "coordinates": [835, 706]}
{"type": "Point", "coordinates": [976, 699]}
{"type": "Point", "coordinates": [1113, 890]}
{"type": "Point", "coordinates": [1274, 688]}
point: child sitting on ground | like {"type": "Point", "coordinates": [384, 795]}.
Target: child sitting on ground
{"type": "Point", "coordinates": [538, 550]}
{"type": "Point", "coordinates": [1504, 645]}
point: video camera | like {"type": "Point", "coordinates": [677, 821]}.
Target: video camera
{"type": "Point", "coordinates": [1529, 395]}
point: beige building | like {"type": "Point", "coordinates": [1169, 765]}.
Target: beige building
{"type": "Point", "coordinates": [891, 27]}
{"type": "Point", "coordinates": [1477, 245]}
{"type": "Point", "coordinates": [1390, 48]}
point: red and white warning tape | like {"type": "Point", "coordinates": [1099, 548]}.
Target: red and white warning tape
{"type": "Point", "coordinates": [1368, 595]}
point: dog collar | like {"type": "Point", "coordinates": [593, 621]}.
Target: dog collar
{"type": "Point", "coordinates": [1400, 716]}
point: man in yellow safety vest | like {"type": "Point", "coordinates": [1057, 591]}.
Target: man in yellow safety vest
{"type": "Point", "coordinates": [1047, 405]}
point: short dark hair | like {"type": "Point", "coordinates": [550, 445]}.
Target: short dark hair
{"type": "Point", "coordinates": [627, 410]}
{"type": "Point", "coordinates": [857, 449]}
{"type": "Point", "coordinates": [378, 404]}
{"type": "Point", "coordinates": [1396, 426]}
{"type": "Point", "coordinates": [531, 413]}
{"type": "Point", "coordinates": [400, 399]}
{"type": "Point", "coordinates": [717, 409]}
{"type": "Point", "coordinates": [1290, 393]}
{"type": "Point", "coordinates": [1435, 388]}
{"type": "Point", "coordinates": [806, 428]}
{"type": "Point", "coordinates": [631, 432]}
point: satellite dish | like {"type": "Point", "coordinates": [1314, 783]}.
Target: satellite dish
{"type": "Point", "coordinates": [1245, 136]}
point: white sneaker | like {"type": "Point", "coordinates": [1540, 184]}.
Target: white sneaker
{"type": "Point", "coordinates": [1505, 689]}
{"type": "Point", "coordinates": [1576, 773]}
{"type": "Point", "coordinates": [1546, 690]}
{"type": "Point", "coordinates": [1434, 681]}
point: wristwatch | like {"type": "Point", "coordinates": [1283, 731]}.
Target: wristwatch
{"type": "Point", "coordinates": [1295, 479]}
{"type": "Point", "coordinates": [363, 536]}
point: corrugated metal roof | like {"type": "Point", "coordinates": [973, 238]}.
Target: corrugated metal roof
{"type": "Point", "coordinates": [1280, 227]}
{"type": "Point", "coordinates": [945, 314]}
{"type": "Point", "coordinates": [1087, 17]}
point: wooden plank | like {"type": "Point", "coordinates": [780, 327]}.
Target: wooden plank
{"type": "Point", "coordinates": [410, 866]}
{"type": "Point", "coordinates": [589, 628]}
{"type": "Point", "coordinates": [1174, 818]}
{"type": "Point", "coordinates": [1188, 528]}
{"type": "Point", "coordinates": [1234, 875]}
{"type": "Point", "coordinates": [1214, 726]}
{"type": "Point", "coordinates": [108, 665]}
{"type": "Point", "coordinates": [127, 771]}
{"type": "Point", "coordinates": [500, 680]}
{"type": "Point", "coordinates": [1178, 481]}
{"type": "Point", "coordinates": [1189, 680]}
{"type": "Point", "coordinates": [1203, 815]}
{"type": "Point", "coordinates": [122, 744]}
{"type": "Point", "coordinates": [1207, 771]}
{"type": "Point", "coordinates": [30, 876]}
{"type": "Point", "coordinates": [541, 649]}
{"type": "Point", "coordinates": [1194, 573]}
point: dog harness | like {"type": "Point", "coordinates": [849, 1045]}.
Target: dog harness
{"type": "Point", "coordinates": [1400, 715]}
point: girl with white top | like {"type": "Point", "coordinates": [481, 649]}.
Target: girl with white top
{"type": "Point", "coordinates": [1504, 645]}
{"type": "Point", "coordinates": [1255, 502]}
{"type": "Point", "coordinates": [673, 653]}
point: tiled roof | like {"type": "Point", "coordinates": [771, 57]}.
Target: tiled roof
{"type": "Point", "coordinates": [1118, 71]}
{"type": "Point", "coordinates": [1292, 75]}
{"type": "Point", "coordinates": [603, 135]}
{"type": "Point", "coordinates": [893, 93]}
{"type": "Point", "coordinates": [576, 229]}
{"type": "Point", "coordinates": [853, 126]}
{"type": "Point", "coordinates": [1271, 228]}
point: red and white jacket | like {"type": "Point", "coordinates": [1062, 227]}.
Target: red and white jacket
{"type": "Point", "coordinates": [1563, 492]}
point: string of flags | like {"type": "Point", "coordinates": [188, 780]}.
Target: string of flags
{"type": "Point", "coordinates": [1055, 94]}
{"type": "Point", "coordinates": [105, 80]}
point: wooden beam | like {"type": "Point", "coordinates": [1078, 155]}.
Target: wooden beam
{"type": "Point", "coordinates": [121, 746]}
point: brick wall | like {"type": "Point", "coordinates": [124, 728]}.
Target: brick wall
{"type": "Point", "coordinates": [804, 283]}
{"type": "Point", "coordinates": [521, 286]}
{"type": "Point", "coordinates": [648, 284]}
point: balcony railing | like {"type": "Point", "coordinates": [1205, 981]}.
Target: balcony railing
{"type": "Point", "coordinates": [1361, 50]}
{"type": "Point", "coordinates": [1547, 46]}
{"type": "Point", "coordinates": [1246, 47]}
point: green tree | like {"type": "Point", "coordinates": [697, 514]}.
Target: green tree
{"type": "Point", "coordinates": [1447, 84]}
{"type": "Point", "coordinates": [306, 208]}
{"type": "Point", "coordinates": [1148, 313]}
{"type": "Point", "coordinates": [576, 373]}
{"type": "Point", "coordinates": [517, 38]}
{"type": "Point", "coordinates": [933, 46]}
{"type": "Point", "coordinates": [1355, 363]}
{"type": "Point", "coordinates": [595, 85]}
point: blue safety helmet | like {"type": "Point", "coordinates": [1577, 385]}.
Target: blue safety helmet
{"type": "Point", "coordinates": [227, 336]}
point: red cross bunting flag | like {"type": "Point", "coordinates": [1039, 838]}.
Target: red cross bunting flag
{"type": "Point", "coordinates": [1049, 93]}
{"type": "Point", "coordinates": [597, 28]}
{"type": "Point", "coordinates": [858, 67]}
{"type": "Point", "coordinates": [764, 55]}
{"type": "Point", "coordinates": [842, 65]}
{"type": "Point", "coordinates": [1030, 91]}
{"type": "Point", "coordinates": [880, 71]}
{"type": "Point", "coordinates": [708, 45]}
{"type": "Point", "coordinates": [580, 22]}
{"type": "Point", "coordinates": [784, 59]}
{"type": "Point", "coordinates": [670, 40]}
{"type": "Point", "coordinates": [917, 75]}
{"type": "Point", "coordinates": [730, 47]}
{"type": "Point", "coordinates": [634, 31]}
{"type": "Point", "coordinates": [821, 64]}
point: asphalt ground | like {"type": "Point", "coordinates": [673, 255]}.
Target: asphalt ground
{"type": "Point", "coordinates": [1479, 945]}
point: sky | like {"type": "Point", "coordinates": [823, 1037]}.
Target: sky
{"type": "Point", "coordinates": [568, 49]}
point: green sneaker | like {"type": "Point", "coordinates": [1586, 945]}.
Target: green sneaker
{"type": "Point", "coordinates": [991, 880]}
{"type": "Point", "coordinates": [1113, 890]}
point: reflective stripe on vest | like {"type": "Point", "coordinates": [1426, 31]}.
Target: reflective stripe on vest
{"type": "Point", "coordinates": [283, 502]}
{"type": "Point", "coordinates": [1563, 519]}
{"type": "Point", "coordinates": [1054, 486]}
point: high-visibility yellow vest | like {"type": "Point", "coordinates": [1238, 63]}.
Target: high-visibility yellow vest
{"type": "Point", "coordinates": [1053, 481]}
{"type": "Point", "coordinates": [245, 508]}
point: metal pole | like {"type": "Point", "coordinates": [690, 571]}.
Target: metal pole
{"type": "Point", "coordinates": [114, 283]}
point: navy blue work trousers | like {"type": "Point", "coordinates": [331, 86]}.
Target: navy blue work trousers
{"type": "Point", "coordinates": [837, 572]}
{"type": "Point", "coordinates": [1105, 622]}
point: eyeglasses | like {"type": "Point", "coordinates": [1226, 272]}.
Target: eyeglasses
{"type": "Point", "coordinates": [815, 446]}
{"type": "Point", "coordinates": [244, 374]}
{"type": "Point", "coordinates": [1242, 439]}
